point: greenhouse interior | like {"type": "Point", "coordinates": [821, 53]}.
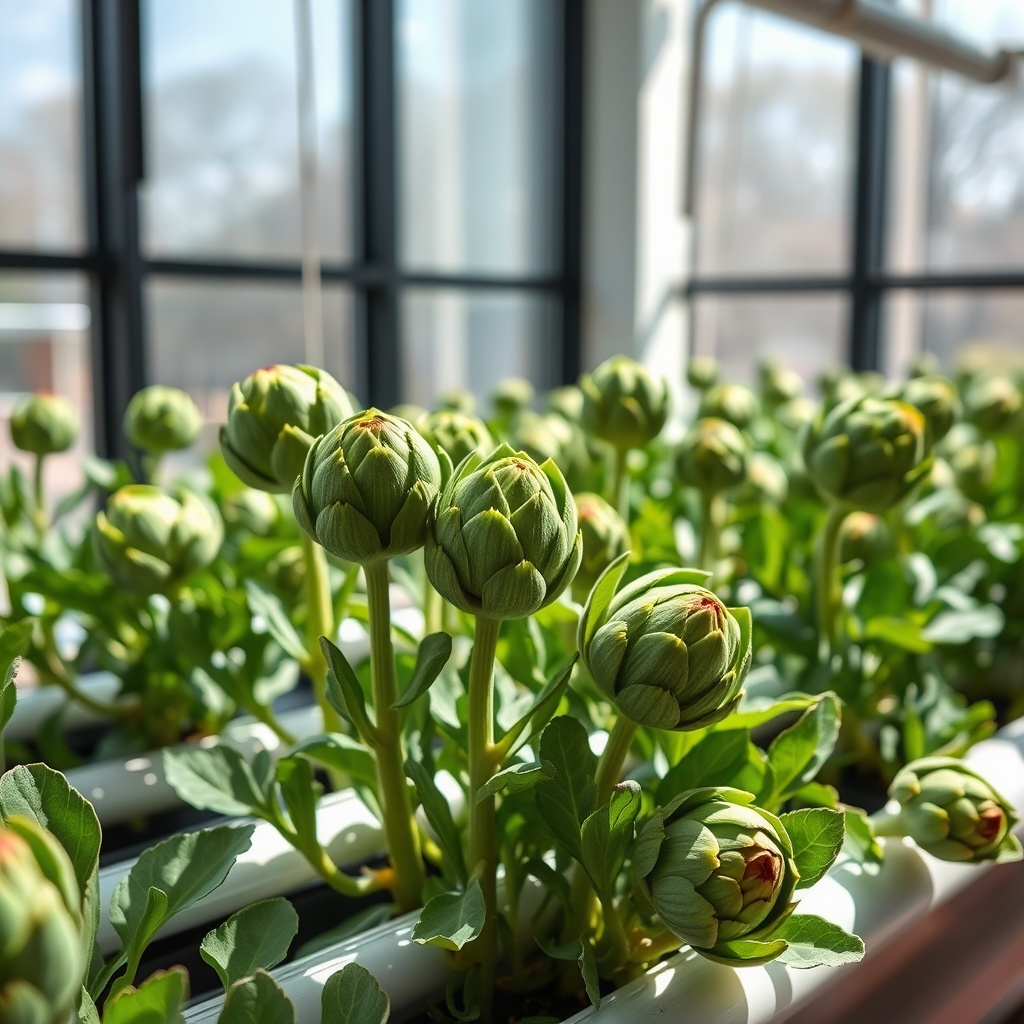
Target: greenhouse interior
{"type": "Point", "coordinates": [669, 665]}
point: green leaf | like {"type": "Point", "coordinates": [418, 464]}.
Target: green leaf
{"type": "Point", "coordinates": [158, 1000]}
{"type": "Point", "coordinates": [344, 691]}
{"type": "Point", "coordinates": [541, 708]}
{"type": "Point", "coordinates": [87, 1012]}
{"type": "Point", "coordinates": [861, 844]}
{"type": "Point", "coordinates": [588, 968]}
{"type": "Point", "coordinates": [815, 942]}
{"type": "Point", "coordinates": [452, 919]}
{"type": "Point", "coordinates": [961, 627]}
{"type": "Point", "coordinates": [755, 713]}
{"type": "Point", "coordinates": [568, 799]}
{"type": "Point", "coordinates": [257, 937]}
{"type": "Point", "coordinates": [432, 656]}
{"type": "Point", "coordinates": [186, 868]}
{"type": "Point", "coordinates": [270, 609]}
{"type": "Point", "coordinates": [714, 760]}
{"type": "Point", "coordinates": [601, 597]}
{"type": "Point", "coordinates": [257, 1000]}
{"type": "Point", "coordinates": [13, 642]}
{"type": "Point", "coordinates": [899, 632]}
{"type": "Point", "coordinates": [439, 816]}
{"type": "Point", "coordinates": [342, 753]}
{"type": "Point", "coordinates": [300, 790]}
{"type": "Point", "coordinates": [797, 754]}
{"type": "Point", "coordinates": [353, 996]}
{"type": "Point", "coordinates": [516, 778]}
{"type": "Point", "coordinates": [354, 924]}
{"type": "Point", "coordinates": [817, 834]}
{"type": "Point", "coordinates": [607, 833]}
{"type": "Point", "coordinates": [214, 779]}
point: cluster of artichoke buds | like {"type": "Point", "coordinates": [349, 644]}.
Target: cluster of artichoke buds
{"type": "Point", "coordinates": [624, 403]}
{"type": "Point", "coordinates": [150, 540]}
{"type": "Point", "coordinates": [41, 946]}
{"type": "Point", "coordinates": [458, 433]}
{"type": "Point", "coordinates": [666, 651]}
{"type": "Point", "coordinates": [44, 424]}
{"type": "Point", "coordinates": [720, 872]}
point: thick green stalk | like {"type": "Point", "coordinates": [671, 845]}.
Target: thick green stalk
{"type": "Point", "coordinates": [38, 502]}
{"type": "Point", "coordinates": [621, 484]}
{"type": "Point", "coordinates": [826, 558]}
{"type": "Point", "coordinates": [392, 786]}
{"type": "Point", "coordinates": [319, 622]}
{"type": "Point", "coordinates": [483, 843]}
{"type": "Point", "coordinates": [433, 608]}
{"type": "Point", "coordinates": [712, 517]}
{"type": "Point", "coordinates": [883, 823]}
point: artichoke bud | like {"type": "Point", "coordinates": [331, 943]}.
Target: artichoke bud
{"type": "Point", "coordinates": [713, 456]}
{"type": "Point", "coordinates": [150, 540]}
{"type": "Point", "coordinates": [925, 364]}
{"type": "Point", "coordinates": [866, 537]}
{"type": "Point", "coordinates": [937, 399]}
{"type": "Point", "coordinates": [566, 401]}
{"type": "Point", "coordinates": [766, 481]}
{"type": "Point", "coordinates": [503, 539]}
{"type": "Point", "coordinates": [974, 468]}
{"type": "Point", "coordinates": [953, 813]}
{"type": "Point", "coordinates": [702, 372]}
{"type": "Point", "coordinates": [666, 651]}
{"type": "Point", "coordinates": [993, 405]}
{"type": "Point", "coordinates": [605, 538]}
{"type": "Point", "coordinates": [459, 400]}
{"type": "Point", "coordinates": [867, 453]}
{"type": "Point", "coordinates": [718, 870]}
{"type": "Point", "coordinates": [44, 423]}
{"type": "Point", "coordinates": [274, 415]}
{"type": "Point", "coordinates": [511, 397]}
{"type": "Point", "coordinates": [624, 403]}
{"type": "Point", "coordinates": [730, 402]}
{"type": "Point", "coordinates": [256, 512]}
{"type": "Point", "coordinates": [161, 419]}
{"type": "Point", "coordinates": [777, 384]}
{"type": "Point", "coordinates": [41, 948]}
{"type": "Point", "coordinates": [366, 487]}
{"type": "Point", "coordinates": [458, 433]}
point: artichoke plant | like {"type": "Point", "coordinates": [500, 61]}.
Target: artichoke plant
{"type": "Point", "coordinates": [720, 872]}
{"type": "Point", "coordinates": [937, 399]}
{"type": "Point", "coordinates": [951, 812]}
{"type": "Point", "coordinates": [150, 541]}
{"type": "Point", "coordinates": [274, 415]}
{"type": "Point", "coordinates": [777, 384]}
{"type": "Point", "coordinates": [44, 424]}
{"type": "Point", "coordinates": [993, 405]}
{"type": "Point", "coordinates": [730, 402]}
{"type": "Point", "coordinates": [41, 948]}
{"type": "Point", "coordinates": [161, 419]}
{"type": "Point", "coordinates": [702, 372]}
{"type": "Point", "coordinates": [503, 539]}
{"type": "Point", "coordinates": [457, 432]}
{"type": "Point", "coordinates": [713, 456]}
{"type": "Point", "coordinates": [366, 487]}
{"type": "Point", "coordinates": [605, 538]}
{"type": "Point", "coordinates": [666, 651]}
{"type": "Point", "coordinates": [624, 403]}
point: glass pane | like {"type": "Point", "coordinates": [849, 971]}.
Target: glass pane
{"type": "Point", "coordinates": [40, 125]}
{"type": "Point", "coordinates": [978, 327]}
{"type": "Point", "coordinates": [205, 335]}
{"type": "Point", "coordinates": [806, 333]}
{"type": "Point", "coordinates": [472, 340]}
{"type": "Point", "coordinates": [958, 150]}
{"type": "Point", "coordinates": [775, 147]}
{"type": "Point", "coordinates": [44, 346]}
{"type": "Point", "coordinates": [221, 107]}
{"type": "Point", "coordinates": [475, 95]}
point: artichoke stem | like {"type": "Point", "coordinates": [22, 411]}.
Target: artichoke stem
{"type": "Point", "coordinates": [433, 608]}
{"type": "Point", "coordinates": [621, 483]}
{"type": "Point", "coordinates": [884, 823]}
{"type": "Point", "coordinates": [483, 845]}
{"type": "Point", "coordinates": [38, 504]}
{"type": "Point", "coordinates": [392, 785]}
{"type": "Point", "coordinates": [712, 518]}
{"type": "Point", "coordinates": [613, 757]}
{"type": "Point", "coordinates": [826, 558]}
{"type": "Point", "coordinates": [319, 622]}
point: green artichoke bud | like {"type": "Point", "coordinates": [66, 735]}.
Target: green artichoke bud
{"type": "Point", "coordinates": [713, 456]}
{"type": "Point", "coordinates": [953, 813]}
{"type": "Point", "coordinates": [993, 405]}
{"type": "Point", "coordinates": [766, 481]}
{"type": "Point", "coordinates": [44, 423]}
{"type": "Point", "coordinates": [730, 402]}
{"type": "Point", "coordinates": [666, 651]}
{"type": "Point", "coordinates": [511, 397]}
{"type": "Point", "coordinates": [41, 949]}
{"type": "Point", "coordinates": [925, 364]}
{"type": "Point", "coordinates": [702, 372]}
{"type": "Point", "coordinates": [624, 403]}
{"type": "Point", "coordinates": [974, 468]}
{"type": "Point", "coordinates": [550, 436]}
{"type": "Point", "coordinates": [605, 538]}
{"type": "Point", "coordinates": [408, 411]}
{"type": "Point", "coordinates": [274, 415]}
{"type": "Point", "coordinates": [720, 872]}
{"type": "Point", "coordinates": [366, 487]}
{"type": "Point", "coordinates": [566, 402]}
{"type": "Point", "coordinates": [458, 401]}
{"type": "Point", "coordinates": [795, 414]}
{"type": "Point", "coordinates": [150, 541]}
{"type": "Point", "coordinates": [858, 385]}
{"type": "Point", "coordinates": [457, 433]}
{"type": "Point", "coordinates": [160, 419]}
{"type": "Point", "coordinates": [503, 540]}
{"type": "Point", "coordinates": [777, 384]}
{"type": "Point", "coordinates": [866, 537]}
{"type": "Point", "coordinates": [256, 512]}
{"type": "Point", "coordinates": [867, 453]}
{"type": "Point", "coordinates": [937, 399]}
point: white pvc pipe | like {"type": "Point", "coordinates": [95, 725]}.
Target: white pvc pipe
{"type": "Point", "coordinates": [270, 867]}
{"type": "Point", "coordinates": [38, 703]}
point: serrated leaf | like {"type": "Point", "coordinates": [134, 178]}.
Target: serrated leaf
{"type": "Point", "coordinates": [568, 799]}
{"type": "Point", "coordinates": [714, 760]}
{"type": "Point", "coordinates": [270, 609]}
{"type": "Point", "coordinates": [797, 754]}
{"type": "Point", "coordinates": [214, 779]}
{"type": "Point", "coordinates": [431, 657]}
{"type": "Point", "coordinates": [257, 1000]}
{"type": "Point", "coordinates": [255, 938]}
{"type": "Point", "coordinates": [815, 942]}
{"type": "Point", "coordinates": [606, 834]}
{"type": "Point", "coordinates": [353, 996]}
{"type": "Point", "coordinates": [439, 816]}
{"type": "Point", "coordinates": [452, 919]}
{"type": "Point", "coordinates": [516, 778]}
{"type": "Point", "coordinates": [817, 834]}
{"type": "Point", "coordinates": [158, 1000]}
